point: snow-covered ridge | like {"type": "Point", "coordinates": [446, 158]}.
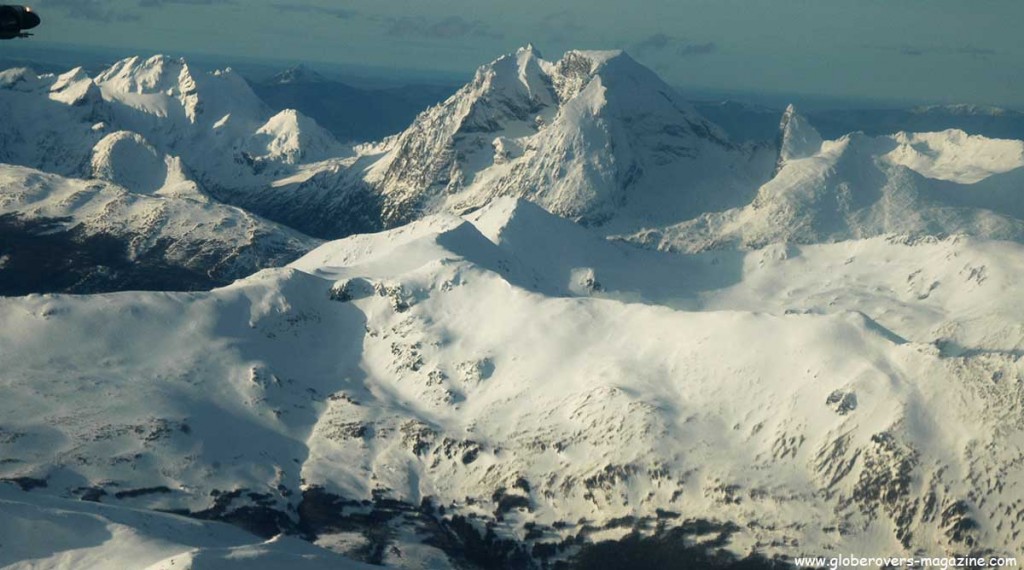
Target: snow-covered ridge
{"type": "Point", "coordinates": [462, 360]}
{"type": "Point", "coordinates": [797, 138]}
{"type": "Point", "coordinates": [858, 186]}
{"type": "Point", "coordinates": [955, 156]}
{"type": "Point", "coordinates": [963, 109]}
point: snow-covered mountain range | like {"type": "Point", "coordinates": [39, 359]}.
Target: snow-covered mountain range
{"type": "Point", "coordinates": [569, 324]}
{"type": "Point", "coordinates": [124, 163]}
{"type": "Point", "coordinates": [594, 136]}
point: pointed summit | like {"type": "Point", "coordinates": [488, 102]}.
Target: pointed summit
{"type": "Point", "coordinates": [530, 50]}
{"type": "Point", "coordinates": [797, 138]}
{"type": "Point", "coordinates": [291, 137]}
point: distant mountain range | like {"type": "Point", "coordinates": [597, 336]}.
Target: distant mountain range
{"type": "Point", "coordinates": [350, 113]}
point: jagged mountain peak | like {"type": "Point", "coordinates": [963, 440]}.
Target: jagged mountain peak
{"type": "Point", "coordinates": [75, 87]}
{"type": "Point", "coordinates": [523, 82]}
{"type": "Point", "coordinates": [589, 137]}
{"type": "Point", "coordinates": [797, 138]}
{"type": "Point", "coordinates": [559, 81]}
{"type": "Point", "coordinates": [149, 75]}
{"type": "Point", "coordinates": [530, 48]}
{"type": "Point", "coordinates": [511, 87]}
{"type": "Point", "coordinates": [165, 86]}
{"type": "Point", "coordinates": [292, 137]}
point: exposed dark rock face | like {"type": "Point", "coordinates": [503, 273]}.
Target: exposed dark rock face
{"type": "Point", "coordinates": [471, 542]}
{"type": "Point", "coordinates": [44, 255]}
{"type": "Point", "coordinates": [27, 483]}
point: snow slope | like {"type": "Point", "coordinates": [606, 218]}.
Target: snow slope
{"type": "Point", "coordinates": [47, 532]}
{"type": "Point", "coordinates": [858, 186]}
{"type": "Point", "coordinates": [521, 372]}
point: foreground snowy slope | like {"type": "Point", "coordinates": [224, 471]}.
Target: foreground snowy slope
{"type": "Point", "coordinates": [858, 186]}
{"type": "Point", "coordinates": [45, 532]}
{"type": "Point", "coordinates": [393, 396]}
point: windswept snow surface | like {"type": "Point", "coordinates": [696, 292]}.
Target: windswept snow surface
{"type": "Point", "coordinates": [514, 367]}
{"type": "Point", "coordinates": [38, 531]}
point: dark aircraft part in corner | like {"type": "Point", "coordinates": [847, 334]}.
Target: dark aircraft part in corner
{"type": "Point", "coordinates": [14, 20]}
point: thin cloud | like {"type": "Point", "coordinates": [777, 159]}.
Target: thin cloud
{"type": "Point", "coordinates": [654, 42]}
{"type": "Point", "coordinates": [161, 3]}
{"type": "Point", "coordinates": [95, 10]}
{"type": "Point", "coordinates": [560, 27]}
{"type": "Point", "coordinates": [664, 43]}
{"type": "Point", "coordinates": [294, 7]}
{"type": "Point", "coordinates": [975, 51]}
{"type": "Point", "coordinates": [697, 49]}
{"type": "Point", "coordinates": [918, 51]}
{"type": "Point", "coordinates": [447, 28]}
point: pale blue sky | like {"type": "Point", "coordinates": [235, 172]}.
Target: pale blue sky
{"type": "Point", "coordinates": [941, 50]}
